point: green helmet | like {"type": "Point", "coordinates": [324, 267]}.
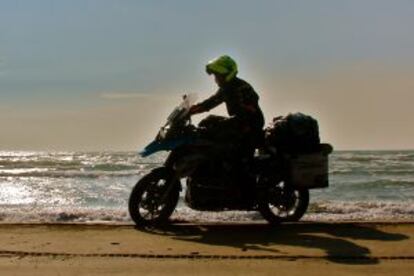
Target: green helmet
{"type": "Point", "coordinates": [223, 65]}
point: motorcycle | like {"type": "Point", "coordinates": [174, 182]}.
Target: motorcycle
{"type": "Point", "coordinates": [275, 184]}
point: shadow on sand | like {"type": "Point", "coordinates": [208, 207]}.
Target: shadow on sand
{"type": "Point", "coordinates": [336, 240]}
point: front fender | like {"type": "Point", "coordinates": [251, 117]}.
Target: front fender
{"type": "Point", "coordinates": [166, 145]}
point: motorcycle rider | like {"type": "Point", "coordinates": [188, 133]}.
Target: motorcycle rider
{"type": "Point", "coordinates": [242, 102]}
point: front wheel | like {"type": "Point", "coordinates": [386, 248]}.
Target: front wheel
{"type": "Point", "coordinates": [283, 204]}
{"type": "Point", "coordinates": [154, 198]}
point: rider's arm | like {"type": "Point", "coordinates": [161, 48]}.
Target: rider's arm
{"type": "Point", "coordinates": [209, 103]}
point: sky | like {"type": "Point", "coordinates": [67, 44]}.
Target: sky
{"type": "Point", "coordinates": [103, 74]}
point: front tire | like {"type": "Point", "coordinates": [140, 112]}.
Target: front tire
{"type": "Point", "coordinates": [154, 198]}
{"type": "Point", "coordinates": [283, 205]}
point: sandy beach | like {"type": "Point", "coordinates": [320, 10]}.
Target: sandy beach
{"type": "Point", "coordinates": [225, 249]}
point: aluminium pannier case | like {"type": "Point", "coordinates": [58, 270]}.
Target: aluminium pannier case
{"type": "Point", "coordinates": [310, 170]}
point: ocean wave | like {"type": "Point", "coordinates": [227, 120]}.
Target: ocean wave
{"type": "Point", "coordinates": [69, 174]}
{"type": "Point", "coordinates": [380, 183]}
{"type": "Point", "coordinates": [361, 210]}
{"type": "Point", "coordinates": [362, 157]}
{"type": "Point", "coordinates": [62, 215]}
{"type": "Point", "coordinates": [357, 159]}
{"type": "Point", "coordinates": [319, 211]}
{"type": "Point", "coordinates": [393, 172]}
{"type": "Point", "coordinates": [110, 165]}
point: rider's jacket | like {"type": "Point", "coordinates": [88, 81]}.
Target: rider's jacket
{"type": "Point", "coordinates": [242, 103]}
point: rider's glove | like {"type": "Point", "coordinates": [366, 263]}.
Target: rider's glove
{"type": "Point", "coordinates": [195, 109]}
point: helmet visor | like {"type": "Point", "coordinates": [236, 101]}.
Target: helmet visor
{"type": "Point", "coordinates": [208, 70]}
{"type": "Point", "coordinates": [216, 69]}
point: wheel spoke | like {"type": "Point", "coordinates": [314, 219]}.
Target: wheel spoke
{"type": "Point", "coordinates": [146, 215]}
{"type": "Point", "coordinates": [150, 207]}
{"type": "Point", "coordinates": [287, 207]}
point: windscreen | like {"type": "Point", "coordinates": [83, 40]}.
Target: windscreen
{"type": "Point", "coordinates": [189, 100]}
{"type": "Point", "coordinates": [183, 109]}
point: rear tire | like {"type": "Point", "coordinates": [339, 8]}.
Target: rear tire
{"type": "Point", "coordinates": [287, 207]}
{"type": "Point", "coordinates": [145, 206]}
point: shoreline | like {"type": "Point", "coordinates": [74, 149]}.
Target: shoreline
{"type": "Point", "coordinates": [206, 223]}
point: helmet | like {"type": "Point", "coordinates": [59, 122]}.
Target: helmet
{"type": "Point", "coordinates": [223, 65]}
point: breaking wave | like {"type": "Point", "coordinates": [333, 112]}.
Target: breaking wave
{"type": "Point", "coordinates": [319, 211]}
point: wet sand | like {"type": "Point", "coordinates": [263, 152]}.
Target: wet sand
{"type": "Point", "coordinates": [209, 249]}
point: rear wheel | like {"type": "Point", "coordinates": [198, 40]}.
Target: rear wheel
{"type": "Point", "coordinates": [284, 204]}
{"type": "Point", "coordinates": [154, 197]}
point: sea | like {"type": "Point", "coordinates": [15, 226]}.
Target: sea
{"type": "Point", "coordinates": [94, 187]}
